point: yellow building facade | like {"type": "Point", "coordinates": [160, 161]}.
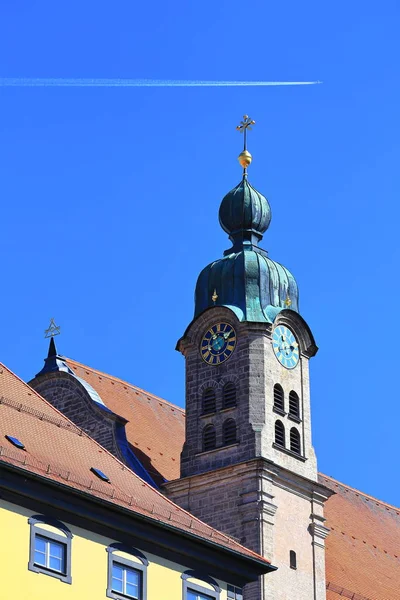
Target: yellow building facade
{"type": "Point", "coordinates": [89, 566]}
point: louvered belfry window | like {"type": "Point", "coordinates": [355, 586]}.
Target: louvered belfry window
{"type": "Point", "coordinates": [294, 405]}
{"type": "Point", "coordinates": [279, 400]}
{"type": "Point", "coordinates": [229, 396]}
{"type": "Point", "coordinates": [209, 401]}
{"type": "Point", "coordinates": [279, 433]}
{"type": "Point", "coordinates": [229, 432]}
{"type": "Point", "coordinates": [295, 441]}
{"type": "Point", "coordinates": [209, 438]}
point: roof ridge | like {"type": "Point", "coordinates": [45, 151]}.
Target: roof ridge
{"type": "Point", "coordinates": [42, 416]}
{"type": "Point", "coordinates": [359, 492]}
{"type": "Point", "coordinates": [123, 381]}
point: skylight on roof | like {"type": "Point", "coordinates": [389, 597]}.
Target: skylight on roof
{"type": "Point", "coordinates": [100, 474]}
{"type": "Point", "coordinates": [15, 441]}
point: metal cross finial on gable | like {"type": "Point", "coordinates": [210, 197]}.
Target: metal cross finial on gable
{"type": "Point", "coordinates": [245, 157]}
{"type": "Point", "coordinates": [52, 330]}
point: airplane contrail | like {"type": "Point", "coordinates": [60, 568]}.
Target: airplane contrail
{"type": "Point", "coordinates": [114, 82]}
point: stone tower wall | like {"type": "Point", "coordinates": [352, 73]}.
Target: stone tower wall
{"type": "Point", "coordinates": [254, 370]}
{"type": "Point", "coordinates": [271, 511]}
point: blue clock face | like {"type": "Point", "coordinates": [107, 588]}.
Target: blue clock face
{"type": "Point", "coordinates": [285, 346]}
{"type": "Point", "coordinates": [218, 343]}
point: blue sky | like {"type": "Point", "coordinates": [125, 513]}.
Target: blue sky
{"type": "Point", "coordinates": [110, 197]}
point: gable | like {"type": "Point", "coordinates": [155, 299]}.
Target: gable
{"type": "Point", "coordinates": [155, 428]}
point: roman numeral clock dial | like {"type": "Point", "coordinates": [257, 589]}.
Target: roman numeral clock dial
{"type": "Point", "coordinates": [285, 346]}
{"type": "Point", "coordinates": [218, 343]}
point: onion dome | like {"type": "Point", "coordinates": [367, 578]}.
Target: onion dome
{"type": "Point", "coordinates": [246, 280]}
{"type": "Point", "coordinates": [244, 214]}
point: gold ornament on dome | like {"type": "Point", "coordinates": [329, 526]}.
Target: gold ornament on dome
{"type": "Point", "coordinates": [245, 157]}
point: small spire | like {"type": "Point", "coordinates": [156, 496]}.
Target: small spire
{"type": "Point", "coordinates": [53, 362]}
{"type": "Point", "coordinates": [52, 330]}
{"type": "Point", "coordinates": [52, 348]}
{"type": "Point", "coordinates": [245, 157]}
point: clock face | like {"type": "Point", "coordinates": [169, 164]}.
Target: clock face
{"type": "Point", "coordinates": [218, 343]}
{"type": "Point", "coordinates": [285, 346]}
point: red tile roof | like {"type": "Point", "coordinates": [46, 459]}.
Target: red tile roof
{"type": "Point", "coordinates": [363, 548]}
{"type": "Point", "coordinates": [59, 451]}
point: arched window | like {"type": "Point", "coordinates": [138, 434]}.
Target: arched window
{"type": "Point", "coordinates": [279, 399]}
{"type": "Point", "coordinates": [229, 395]}
{"type": "Point", "coordinates": [127, 572]}
{"type": "Point", "coordinates": [295, 441]}
{"type": "Point", "coordinates": [209, 401]}
{"type": "Point", "coordinates": [209, 438]}
{"type": "Point", "coordinates": [229, 432]}
{"type": "Point", "coordinates": [279, 433]}
{"type": "Point", "coordinates": [294, 405]}
{"type": "Point", "coordinates": [198, 586]}
{"type": "Point", "coordinates": [50, 548]}
{"type": "Point", "coordinates": [293, 560]}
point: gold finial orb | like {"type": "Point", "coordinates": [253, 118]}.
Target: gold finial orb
{"type": "Point", "coordinates": [245, 158]}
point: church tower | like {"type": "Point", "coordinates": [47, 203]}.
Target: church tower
{"type": "Point", "coordinates": [248, 466]}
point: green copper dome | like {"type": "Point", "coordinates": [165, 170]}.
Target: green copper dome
{"type": "Point", "coordinates": [244, 214]}
{"type": "Point", "coordinates": [246, 280]}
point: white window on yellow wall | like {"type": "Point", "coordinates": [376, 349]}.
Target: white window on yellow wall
{"type": "Point", "coordinates": [49, 554]}
{"type": "Point", "coordinates": [127, 573]}
{"type": "Point", "coordinates": [50, 548]}
{"type": "Point", "coordinates": [126, 580]}
{"type": "Point", "coordinates": [199, 586]}
{"type": "Point", "coordinates": [192, 595]}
